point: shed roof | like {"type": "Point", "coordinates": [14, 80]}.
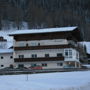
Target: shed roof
{"type": "Point", "coordinates": [6, 51]}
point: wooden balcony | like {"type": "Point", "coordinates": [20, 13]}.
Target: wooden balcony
{"type": "Point", "coordinates": [39, 59]}
{"type": "Point", "coordinates": [42, 47]}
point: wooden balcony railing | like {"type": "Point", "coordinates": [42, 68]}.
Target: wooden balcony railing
{"type": "Point", "coordinates": [39, 59]}
{"type": "Point", "coordinates": [41, 47]}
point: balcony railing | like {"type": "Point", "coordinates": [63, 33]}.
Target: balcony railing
{"type": "Point", "coordinates": [39, 59]}
{"type": "Point", "coordinates": [41, 47]}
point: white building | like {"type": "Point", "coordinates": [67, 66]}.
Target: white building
{"type": "Point", "coordinates": [49, 48]}
{"type": "Point", "coordinates": [6, 54]}
{"type": "Point", "coordinates": [6, 58]}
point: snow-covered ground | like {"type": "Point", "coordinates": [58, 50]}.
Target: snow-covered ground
{"type": "Point", "coordinates": [49, 81]}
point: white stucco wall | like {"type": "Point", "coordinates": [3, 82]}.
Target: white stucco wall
{"type": "Point", "coordinates": [42, 42]}
{"type": "Point", "coordinates": [50, 64]}
{"type": "Point", "coordinates": [40, 53]}
{"type": "Point", "coordinates": [6, 61]}
{"type": "Point", "coordinates": [51, 52]}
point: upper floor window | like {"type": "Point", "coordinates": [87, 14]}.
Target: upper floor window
{"type": "Point", "coordinates": [68, 53]}
{"type": "Point", "coordinates": [21, 43]}
{"type": "Point", "coordinates": [59, 55]}
{"type": "Point", "coordinates": [38, 44]}
{"type": "Point", "coordinates": [34, 44]}
{"type": "Point", "coordinates": [27, 45]}
{"type": "Point", "coordinates": [21, 56]}
{"type": "Point", "coordinates": [34, 55]}
{"type": "Point", "coordinates": [46, 55]}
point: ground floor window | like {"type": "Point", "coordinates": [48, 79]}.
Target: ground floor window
{"type": "Point", "coordinates": [59, 64]}
{"type": "Point", "coordinates": [21, 66]}
{"type": "Point", "coordinates": [33, 65]}
{"type": "Point", "coordinates": [11, 66]}
{"type": "Point", "coordinates": [44, 64]}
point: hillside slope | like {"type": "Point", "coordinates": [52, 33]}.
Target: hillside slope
{"type": "Point", "coordinates": [47, 13]}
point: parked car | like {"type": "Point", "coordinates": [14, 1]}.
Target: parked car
{"type": "Point", "coordinates": [36, 67]}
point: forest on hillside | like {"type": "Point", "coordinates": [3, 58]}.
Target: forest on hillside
{"type": "Point", "coordinates": [45, 14]}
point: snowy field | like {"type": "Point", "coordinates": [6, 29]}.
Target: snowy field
{"type": "Point", "coordinates": [49, 81]}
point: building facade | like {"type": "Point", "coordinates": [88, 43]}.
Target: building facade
{"type": "Point", "coordinates": [6, 58]}
{"type": "Point", "coordinates": [6, 54]}
{"type": "Point", "coordinates": [49, 48]}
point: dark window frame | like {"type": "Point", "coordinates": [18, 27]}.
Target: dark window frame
{"type": "Point", "coordinates": [21, 56]}
{"type": "Point", "coordinates": [44, 64]}
{"type": "Point", "coordinates": [59, 54]}
{"type": "Point", "coordinates": [34, 56]}
{"type": "Point", "coordinates": [47, 55]}
{"type": "Point", "coordinates": [60, 64]}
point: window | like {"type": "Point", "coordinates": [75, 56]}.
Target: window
{"type": "Point", "coordinates": [44, 64]}
{"type": "Point", "coordinates": [21, 43]}
{"type": "Point", "coordinates": [33, 65]}
{"type": "Point", "coordinates": [20, 66]}
{"type": "Point", "coordinates": [2, 65]}
{"type": "Point", "coordinates": [68, 53]}
{"type": "Point", "coordinates": [59, 54]}
{"type": "Point", "coordinates": [26, 44]}
{"type": "Point", "coordinates": [2, 57]}
{"type": "Point", "coordinates": [34, 44]}
{"type": "Point", "coordinates": [46, 55]}
{"type": "Point", "coordinates": [11, 57]}
{"type": "Point", "coordinates": [21, 56]}
{"type": "Point", "coordinates": [59, 64]}
{"type": "Point", "coordinates": [34, 55]}
{"type": "Point", "coordinates": [38, 44]}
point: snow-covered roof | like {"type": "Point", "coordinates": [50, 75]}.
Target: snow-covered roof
{"type": "Point", "coordinates": [9, 44]}
{"type": "Point", "coordinates": [87, 44]}
{"type": "Point", "coordinates": [4, 33]}
{"type": "Point", "coordinates": [6, 51]}
{"type": "Point", "coordinates": [47, 30]}
{"type": "Point", "coordinates": [87, 65]}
